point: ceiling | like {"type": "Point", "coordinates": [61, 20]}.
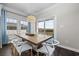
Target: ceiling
{"type": "Point", "coordinates": [29, 8]}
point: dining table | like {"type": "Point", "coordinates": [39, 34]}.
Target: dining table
{"type": "Point", "coordinates": [36, 39]}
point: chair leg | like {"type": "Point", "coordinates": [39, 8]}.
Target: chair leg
{"type": "Point", "coordinates": [47, 50]}
{"type": "Point", "coordinates": [54, 50]}
{"type": "Point", "coordinates": [31, 52]}
{"type": "Point", "coordinates": [37, 53]}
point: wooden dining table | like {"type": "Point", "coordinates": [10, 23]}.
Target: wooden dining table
{"type": "Point", "coordinates": [37, 39]}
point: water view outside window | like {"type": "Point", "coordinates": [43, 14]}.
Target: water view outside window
{"type": "Point", "coordinates": [46, 27]}
{"type": "Point", "coordinates": [41, 27]}
{"type": "Point", "coordinates": [24, 26]}
{"type": "Point", "coordinates": [11, 26]}
{"type": "Point", "coordinates": [49, 24]}
{"type": "Point", "coordinates": [49, 27]}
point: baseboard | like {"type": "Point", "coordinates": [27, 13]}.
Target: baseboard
{"type": "Point", "coordinates": [69, 48]}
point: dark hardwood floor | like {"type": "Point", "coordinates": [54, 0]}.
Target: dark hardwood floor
{"type": "Point", "coordinates": [6, 51]}
{"type": "Point", "coordinates": [64, 52]}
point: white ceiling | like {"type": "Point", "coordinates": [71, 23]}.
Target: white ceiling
{"type": "Point", "coordinates": [29, 8]}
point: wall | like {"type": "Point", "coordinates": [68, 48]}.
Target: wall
{"type": "Point", "coordinates": [67, 23]}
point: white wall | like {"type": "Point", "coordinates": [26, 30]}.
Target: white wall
{"type": "Point", "coordinates": [67, 27]}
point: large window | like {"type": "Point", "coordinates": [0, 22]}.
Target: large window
{"type": "Point", "coordinates": [49, 24]}
{"type": "Point", "coordinates": [11, 20]}
{"type": "Point", "coordinates": [11, 26]}
{"type": "Point", "coordinates": [49, 27]}
{"type": "Point", "coordinates": [41, 27]}
{"type": "Point", "coordinates": [24, 26]}
{"type": "Point", "coordinates": [46, 27]}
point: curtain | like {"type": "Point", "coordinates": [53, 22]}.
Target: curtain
{"type": "Point", "coordinates": [29, 27]}
{"type": "Point", "coordinates": [4, 27]}
{"type": "Point", "coordinates": [0, 34]}
{"type": "Point", "coordinates": [0, 28]}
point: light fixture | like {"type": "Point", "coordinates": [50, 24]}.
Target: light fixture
{"type": "Point", "coordinates": [31, 18]}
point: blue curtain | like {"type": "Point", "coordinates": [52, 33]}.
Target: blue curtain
{"type": "Point", "coordinates": [4, 27]}
{"type": "Point", "coordinates": [0, 33]}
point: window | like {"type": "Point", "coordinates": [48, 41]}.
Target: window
{"type": "Point", "coordinates": [11, 26]}
{"type": "Point", "coordinates": [24, 23]}
{"type": "Point", "coordinates": [49, 24]}
{"type": "Point", "coordinates": [24, 26]}
{"type": "Point", "coordinates": [11, 21]}
{"type": "Point", "coordinates": [46, 27]}
{"type": "Point", "coordinates": [40, 27]}
{"type": "Point", "coordinates": [49, 27]}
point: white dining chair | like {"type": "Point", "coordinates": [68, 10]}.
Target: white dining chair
{"type": "Point", "coordinates": [15, 38]}
{"type": "Point", "coordinates": [52, 41]}
{"type": "Point", "coordinates": [48, 48]}
{"type": "Point", "coordinates": [21, 46]}
{"type": "Point", "coordinates": [24, 47]}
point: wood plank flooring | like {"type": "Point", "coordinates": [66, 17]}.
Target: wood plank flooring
{"type": "Point", "coordinates": [6, 51]}
{"type": "Point", "coordinates": [64, 52]}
